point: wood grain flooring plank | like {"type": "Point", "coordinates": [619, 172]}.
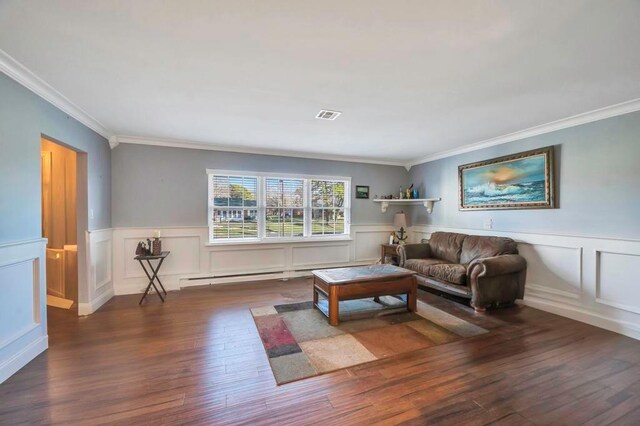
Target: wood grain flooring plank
{"type": "Point", "coordinates": [198, 359]}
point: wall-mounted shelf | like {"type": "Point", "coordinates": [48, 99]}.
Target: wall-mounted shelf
{"type": "Point", "coordinates": [426, 202]}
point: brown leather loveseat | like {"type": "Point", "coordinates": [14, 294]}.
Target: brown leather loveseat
{"type": "Point", "coordinates": [487, 270]}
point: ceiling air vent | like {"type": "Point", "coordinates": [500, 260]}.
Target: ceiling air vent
{"type": "Point", "coordinates": [328, 115]}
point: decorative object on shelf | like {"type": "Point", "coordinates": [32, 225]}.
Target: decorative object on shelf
{"type": "Point", "coordinates": [400, 221]}
{"type": "Point", "coordinates": [415, 194]}
{"type": "Point", "coordinates": [401, 193]}
{"type": "Point", "coordinates": [409, 192]}
{"type": "Point", "coordinates": [520, 181]}
{"type": "Point", "coordinates": [362, 191]}
{"type": "Point", "coordinates": [140, 249]}
{"type": "Point", "coordinates": [157, 246]}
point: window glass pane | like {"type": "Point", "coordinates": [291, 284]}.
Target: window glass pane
{"type": "Point", "coordinates": [297, 222]}
{"type": "Point", "coordinates": [251, 223]}
{"type": "Point", "coordinates": [317, 224]}
{"type": "Point", "coordinates": [220, 224]}
{"type": "Point", "coordinates": [338, 194]}
{"type": "Point", "coordinates": [235, 219]}
{"type": "Point", "coordinates": [330, 218]}
{"type": "Point", "coordinates": [220, 190]}
{"type": "Point", "coordinates": [339, 224]}
{"type": "Point", "coordinates": [236, 191]}
{"type": "Point", "coordinates": [250, 191]}
{"type": "Point", "coordinates": [284, 192]}
{"type": "Point", "coordinates": [272, 222]}
{"type": "Point", "coordinates": [320, 193]}
{"type": "Point", "coordinates": [284, 222]}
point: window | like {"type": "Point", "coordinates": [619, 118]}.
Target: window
{"type": "Point", "coordinates": [271, 207]}
{"type": "Point", "coordinates": [285, 207]}
{"type": "Point", "coordinates": [234, 207]}
{"type": "Point", "coordinates": [327, 207]}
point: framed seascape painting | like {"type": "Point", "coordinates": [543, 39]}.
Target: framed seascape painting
{"type": "Point", "coordinates": [519, 181]}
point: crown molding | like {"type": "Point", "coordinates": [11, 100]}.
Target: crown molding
{"type": "Point", "coordinates": [575, 120]}
{"type": "Point", "coordinates": [22, 75]}
{"type": "Point", "coordinates": [28, 79]}
{"type": "Point", "coordinates": [113, 142]}
{"type": "Point", "coordinates": [173, 143]}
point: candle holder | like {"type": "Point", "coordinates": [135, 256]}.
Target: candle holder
{"type": "Point", "coordinates": [156, 246]}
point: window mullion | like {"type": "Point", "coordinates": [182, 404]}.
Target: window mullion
{"type": "Point", "coordinates": [306, 208]}
{"type": "Point", "coordinates": [262, 210]}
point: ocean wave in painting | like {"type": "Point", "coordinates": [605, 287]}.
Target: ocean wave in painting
{"type": "Point", "coordinates": [492, 193]}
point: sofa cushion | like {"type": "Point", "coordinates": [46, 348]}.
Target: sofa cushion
{"type": "Point", "coordinates": [422, 266]}
{"type": "Point", "coordinates": [477, 247]}
{"type": "Point", "coordinates": [446, 246]}
{"type": "Point", "coordinates": [451, 273]}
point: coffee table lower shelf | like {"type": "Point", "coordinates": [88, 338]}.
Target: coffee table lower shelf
{"type": "Point", "coordinates": [336, 293]}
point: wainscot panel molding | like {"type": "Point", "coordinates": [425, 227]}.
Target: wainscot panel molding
{"type": "Point", "coordinates": [583, 278]}
{"type": "Point", "coordinates": [194, 262]}
{"type": "Point", "coordinates": [99, 270]}
{"type": "Point", "coordinates": [23, 314]}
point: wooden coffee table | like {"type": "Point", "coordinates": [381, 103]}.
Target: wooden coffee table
{"type": "Point", "coordinates": [362, 282]}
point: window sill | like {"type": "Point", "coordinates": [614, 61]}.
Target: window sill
{"type": "Point", "coordinates": [278, 241]}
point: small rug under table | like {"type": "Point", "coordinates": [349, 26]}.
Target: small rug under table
{"type": "Point", "coordinates": [300, 343]}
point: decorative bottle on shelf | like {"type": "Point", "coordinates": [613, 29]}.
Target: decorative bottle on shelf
{"type": "Point", "coordinates": [401, 194]}
{"type": "Point", "coordinates": [157, 246]}
{"type": "Point", "coordinates": [409, 193]}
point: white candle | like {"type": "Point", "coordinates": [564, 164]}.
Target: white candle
{"type": "Point", "coordinates": [156, 234]}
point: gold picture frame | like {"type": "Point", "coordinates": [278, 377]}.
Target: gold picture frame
{"type": "Point", "coordinates": [519, 181]}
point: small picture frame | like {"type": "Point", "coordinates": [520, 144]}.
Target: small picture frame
{"type": "Point", "coordinates": [362, 191]}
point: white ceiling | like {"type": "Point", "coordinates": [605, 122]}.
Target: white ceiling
{"type": "Point", "coordinates": [412, 78]}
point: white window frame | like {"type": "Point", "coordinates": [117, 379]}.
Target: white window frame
{"type": "Point", "coordinates": [261, 207]}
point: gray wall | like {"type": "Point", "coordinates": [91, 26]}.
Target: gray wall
{"type": "Point", "coordinates": [24, 117]}
{"type": "Point", "coordinates": [597, 175]}
{"type": "Point", "coordinates": [159, 186]}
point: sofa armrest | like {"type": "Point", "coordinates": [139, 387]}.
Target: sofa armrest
{"type": "Point", "coordinates": [413, 251]}
{"type": "Point", "coordinates": [495, 266]}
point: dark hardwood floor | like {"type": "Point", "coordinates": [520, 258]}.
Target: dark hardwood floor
{"type": "Point", "coordinates": [198, 359]}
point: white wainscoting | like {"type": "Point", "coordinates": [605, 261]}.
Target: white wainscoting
{"type": "Point", "coordinates": [192, 262]}
{"type": "Point", "coordinates": [23, 315]}
{"type": "Point", "coordinates": [593, 280]}
{"type": "Point", "coordinates": [99, 280]}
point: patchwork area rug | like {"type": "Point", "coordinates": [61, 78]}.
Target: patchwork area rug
{"type": "Point", "coordinates": [300, 343]}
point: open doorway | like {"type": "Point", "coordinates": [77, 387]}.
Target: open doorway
{"type": "Point", "coordinates": [59, 170]}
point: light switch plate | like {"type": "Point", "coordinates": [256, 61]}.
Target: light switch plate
{"type": "Point", "coordinates": [488, 223]}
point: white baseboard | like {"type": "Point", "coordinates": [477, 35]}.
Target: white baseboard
{"type": "Point", "coordinates": [22, 358]}
{"type": "Point", "coordinates": [89, 308]}
{"type": "Point", "coordinates": [580, 314]}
